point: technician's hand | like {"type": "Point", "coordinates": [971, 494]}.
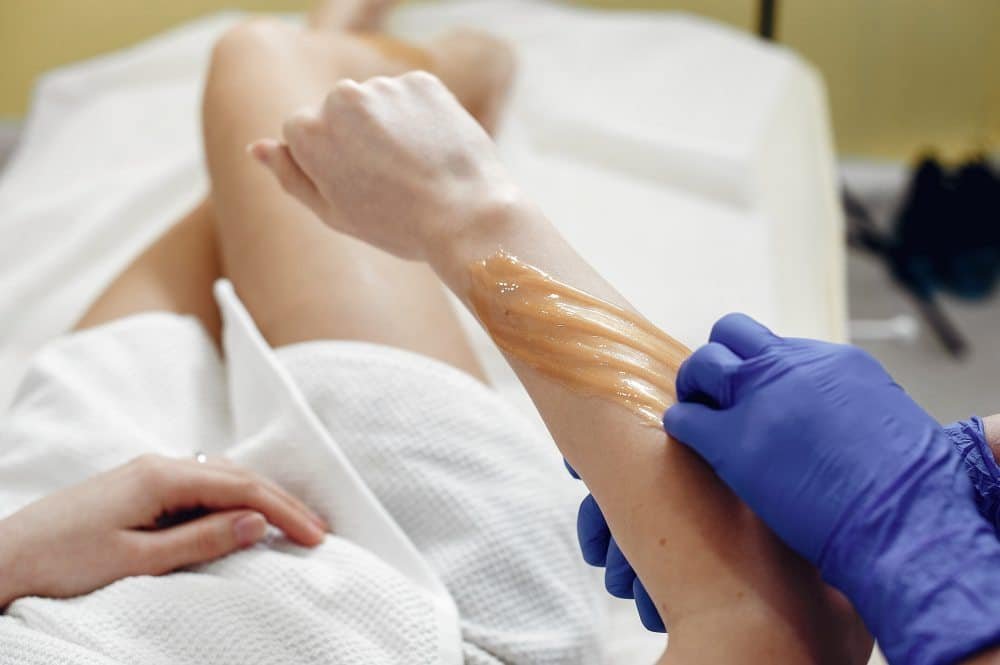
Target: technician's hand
{"type": "Point", "coordinates": [599, 549]}
{"type": "Point", "coordinates": [107, 528]}
{"type": "Point", "coordinates": [835, 457]}
{"type": "Point", "coordinates": [396, 162]}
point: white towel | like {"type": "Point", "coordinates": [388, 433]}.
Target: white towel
{"type": "Point", "coordinates": [706, 150]}
{"type": "Point", "coordinates": [436, 489]}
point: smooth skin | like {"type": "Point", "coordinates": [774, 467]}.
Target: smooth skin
{"type": "Point", "coordinates": [299, 280]}
{"type": "Point", "coordinates": [108, 527]}
{"type": "Point", "coordinates": [398, 163]}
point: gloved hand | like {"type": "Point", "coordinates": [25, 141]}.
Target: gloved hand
{"type": "Point", "coordinates": [852, 474]}
{"type": "Point", "coordinates": [600, 549]}
{"type": "Point", "coordinates": [969, 438]}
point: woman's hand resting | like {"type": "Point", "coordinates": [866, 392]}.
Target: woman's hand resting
{"type": "Point", "coordinates": [395, 162]}
{"type": "Point", "coordinates": [148, 517]}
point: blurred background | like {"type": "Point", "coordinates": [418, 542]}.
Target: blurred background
{"type": "Point", "coordinates": [904, 80]}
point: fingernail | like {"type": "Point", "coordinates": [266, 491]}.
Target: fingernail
{"type": "Point", "coordinates": [250, 529]}
{"type": "Point", "coordinates": [320, 522]}
{"type": "Point", "coordinates": [259, 150]}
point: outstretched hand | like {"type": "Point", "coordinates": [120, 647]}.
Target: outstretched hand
{"type": "Point", "coordinates": [395, 162]}
{"type": "Point", "coordinates": [148, 517]}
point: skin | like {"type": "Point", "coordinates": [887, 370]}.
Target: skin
{"type": "Point", "coordinates": [397, 163]}
{"type": "Point", "coordinates": [991, 428]}
{"type": "Point", "coordinates": [300, 281]}
{"type": "Point", "coordinates": [290, 67]}
{"type": "Point", "coordinates": [106, 528]}
{"type": "Point", "coordinates": [445, 199]}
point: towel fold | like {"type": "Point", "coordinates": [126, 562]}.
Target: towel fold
{"type": "Point", "coordinates": [448, 547]}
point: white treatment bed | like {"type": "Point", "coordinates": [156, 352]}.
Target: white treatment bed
{"type": "Point", "coordinates": [690, 163]}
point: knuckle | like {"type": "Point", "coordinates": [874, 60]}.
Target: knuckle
{"type": "Point", "coordinates": [150, 468]}
{"type": "Point", "coordinates": [421, 78]}
{"type": "Point", "coordinates": [347, 90]}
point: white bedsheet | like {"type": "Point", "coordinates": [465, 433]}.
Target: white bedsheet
{"type": "Point", "coordinates": [688, 162]}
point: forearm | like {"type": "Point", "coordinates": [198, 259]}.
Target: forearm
{"type": "Point", "coordinates": [706, 561]}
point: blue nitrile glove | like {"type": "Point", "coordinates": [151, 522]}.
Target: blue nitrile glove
{"type": "Point", "coordinates": [596, 541]}
{"type": "Point", "coordinates": [600, 549]}
{"type": "Point", "coordinates": [821, 443]}
{"type": "Point", "coordinates": [969, 438]}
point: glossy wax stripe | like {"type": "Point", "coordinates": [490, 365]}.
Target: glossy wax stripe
{"type": "Point", "coordinates": [589, 345]}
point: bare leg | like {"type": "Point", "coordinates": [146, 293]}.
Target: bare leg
{"type": "Point", "coordinates": [299, 280]}
{"type": "Point", "coordinates": [174, 275]}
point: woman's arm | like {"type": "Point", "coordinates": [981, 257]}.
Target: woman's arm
{"type": "Point", "coordinates": [399, 164]}
{"type": "Point", "coordinates": [707, 562]}
{"type": "Point", "coordinates": [148, 517]}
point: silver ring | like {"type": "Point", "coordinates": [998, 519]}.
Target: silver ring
{"type": "Point", "coordinates": [200, 457]}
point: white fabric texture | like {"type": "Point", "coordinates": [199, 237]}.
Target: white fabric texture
{"type": "Point", "coordinates": [706, 151]}
{"type": "Point", "coordinates": [460, 474]}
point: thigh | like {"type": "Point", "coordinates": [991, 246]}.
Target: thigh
{"type": "Point", "coordinates": [174, 275]}
{"type": "Point", "coordinates": [300, 280]}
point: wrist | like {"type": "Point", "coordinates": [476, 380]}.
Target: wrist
{"type": "Point", "coordinates": [499, 219]}
{"type": "Point", "coordinates": [931, 594]}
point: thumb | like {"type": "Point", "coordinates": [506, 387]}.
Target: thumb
{"type": "Point", "coordinates": [279, 161]}
{"type": "Point", "coordinates": [203, 539]}
{"type": "Point", "coordinates": [700, 428]}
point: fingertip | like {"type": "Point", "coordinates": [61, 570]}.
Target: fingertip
{"type": "Point", "coordinates": [648, 613]}
{"type": "Point", "coordinates": [323, 525]}
{"type": "Point", "coordinates": [571, 470]}
{"type": "Point", "coordinates": [263, 149]}
{"type": "Point", "coordinates": [618, 573]}
{"type": "Point", "coordinates": [671, 416]}
{"type": "Point", "coordinates": [319, 537]}
{"type": "Point", "coordinates": [684, 419]}
{"type": "Point", "coordinates": [249, 529]}
{"type": "Point", "coordinates": [309, 535]}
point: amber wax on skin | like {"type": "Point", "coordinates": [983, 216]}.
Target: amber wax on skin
{"type": "Point", "coordinates": [589, 345]}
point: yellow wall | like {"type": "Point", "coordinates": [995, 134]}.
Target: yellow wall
{"type": "Point", "coordinates": [902, 74]}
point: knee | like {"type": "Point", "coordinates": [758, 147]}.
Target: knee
{"type": "Point", "coordinates": [251, 37]}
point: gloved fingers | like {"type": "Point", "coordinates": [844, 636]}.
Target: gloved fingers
{"type": "Point", "coordinates": [743, 335]}
{"type": "Point", "coordinates": [706, 376]}
{"type": "Point", "coordinates": [698, 427]}
{"type": "Point", "coordinates": [571, 470]}
{"type": "Point", "coordinates": [618, 575]}
{"type": "Point", "coordinates": [648, 613]}
{"type": "Point", "coordinates": [592, 532]}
